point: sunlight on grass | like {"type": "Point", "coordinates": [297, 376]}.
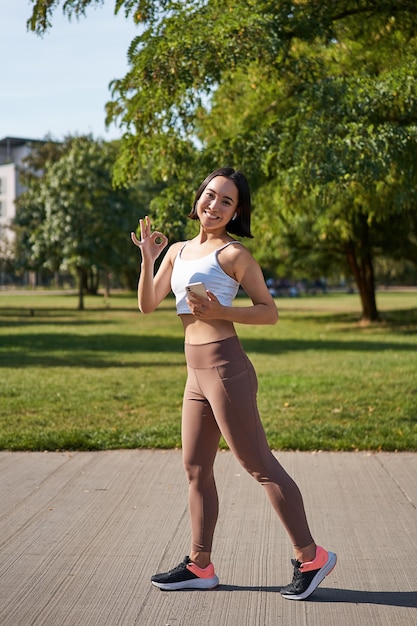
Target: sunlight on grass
{"type": "Point", "coordinates": [109, 377]}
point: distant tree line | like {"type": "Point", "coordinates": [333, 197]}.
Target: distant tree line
{"type": "Point", "coordinates": [71, 217]}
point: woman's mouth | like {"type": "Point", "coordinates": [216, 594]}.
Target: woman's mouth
{"type": "Point", "coordinates": [210, 216]}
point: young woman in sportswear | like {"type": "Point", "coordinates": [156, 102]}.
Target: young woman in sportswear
{"type": "Point", "coordinates": [220, 392]}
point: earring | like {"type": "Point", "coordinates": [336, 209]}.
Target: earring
{"type": "Point", "coordinates": [234, 217]}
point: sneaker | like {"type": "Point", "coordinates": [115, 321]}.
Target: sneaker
{"type": "Point", "coordinates": [308, 576]}
{"type": "Point", "coordinates": [187, 575]}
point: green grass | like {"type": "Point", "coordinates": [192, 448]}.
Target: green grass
{"type": "Point", "coordinates": [109, 377]}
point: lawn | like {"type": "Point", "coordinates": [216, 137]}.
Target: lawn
{"type": "Point", "coordinates": [110, 377]}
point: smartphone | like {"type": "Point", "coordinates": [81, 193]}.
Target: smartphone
{"type": "Point", "coordinates": [198, 288]}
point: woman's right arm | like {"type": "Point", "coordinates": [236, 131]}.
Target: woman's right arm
{"type": "Point", "coordinates": [152, 289]}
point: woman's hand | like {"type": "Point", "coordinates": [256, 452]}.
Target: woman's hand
{"type": "Point", "coordinates": [205, 308]}
{"type": "Point", "coordinates": [151, 243]}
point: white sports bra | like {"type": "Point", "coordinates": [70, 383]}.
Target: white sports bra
{"type": "Point", "coordinates": [206, 270]}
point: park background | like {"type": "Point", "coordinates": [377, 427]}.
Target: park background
{"type": "Point", "coordinates": [316, 103]}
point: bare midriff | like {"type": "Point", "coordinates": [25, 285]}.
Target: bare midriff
{"type": "Point", "coordinates": [198, 331]}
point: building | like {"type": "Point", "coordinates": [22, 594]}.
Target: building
{"type": "Point", "coordinates": [13, 150]}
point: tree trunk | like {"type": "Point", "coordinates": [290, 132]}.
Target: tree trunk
{"type": "Point", "coordinates": [81, 279]}
{"type": "Point", "coordinates": [84, 280]}
{"type": "Point", "coordinates": [92, 281]}
{"type": "Point", "coordinates": [107, 280]}
{"type": "Point", "coordinates": [363, 272]}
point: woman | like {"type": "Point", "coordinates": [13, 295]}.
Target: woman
{"type": "Point", "coordinates": [220, 393]}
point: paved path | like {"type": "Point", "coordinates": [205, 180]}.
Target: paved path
{"type": "Point", "coordinates": [81, 533]}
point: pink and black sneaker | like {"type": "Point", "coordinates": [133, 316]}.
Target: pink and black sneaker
{"type": "Point", "coordinates": [187, 575]}
{"type": "Point", "coordinates": [307, 576]}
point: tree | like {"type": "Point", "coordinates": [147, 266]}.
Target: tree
{"type": "Point", "coordinates": [333, 150]}
{"type": "Point", "coordinates": [315, 99]}
{"type": "Point", "coordinates": [80, 222]}
{"type": "Point", "coordinates": [30, 211]}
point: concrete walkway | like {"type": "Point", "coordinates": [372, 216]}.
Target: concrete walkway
{"type": "Point", "coordinates": [81, 533]}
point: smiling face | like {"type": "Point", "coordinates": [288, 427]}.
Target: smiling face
{"type": "Point", "coordinates": [217, 203]}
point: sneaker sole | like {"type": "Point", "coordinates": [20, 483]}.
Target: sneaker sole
{"type": "Point", "coordinates": [321, 575]}
{"type": "Point", "coordinates": [196, 583]}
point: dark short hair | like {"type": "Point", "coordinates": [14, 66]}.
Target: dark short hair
{"type": "Point", "coordinates": [241, 224]}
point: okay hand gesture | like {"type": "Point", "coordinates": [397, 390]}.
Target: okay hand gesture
{"type": "Point", "coordinates": [151, 243]}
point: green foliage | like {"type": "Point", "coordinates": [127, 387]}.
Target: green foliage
{"type": "Point", "coordinates": [71, 216]}
{"type": "Point", "coordinates": [40, 20]}
{"type": "Point", "coordinates": [30, 210]}
{"type": "Point", "coordinates": [315, 100]}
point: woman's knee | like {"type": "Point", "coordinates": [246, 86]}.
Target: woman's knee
{"type": "Point", "coordinates": [262, 469]}
{"type": "Point", "coordinates": [198, 474]}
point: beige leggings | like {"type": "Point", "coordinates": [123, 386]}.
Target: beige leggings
{"type": "Point", "coordinates": [220, 399]}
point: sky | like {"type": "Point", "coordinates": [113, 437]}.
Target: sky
{"type": "Point", "coordinates": [58, 84]}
